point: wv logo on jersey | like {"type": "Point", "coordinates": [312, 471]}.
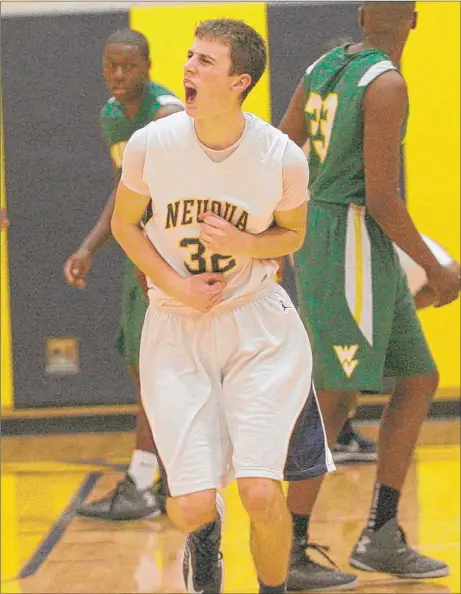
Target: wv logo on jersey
{"type": "Point", "coordinates": [346, 356]}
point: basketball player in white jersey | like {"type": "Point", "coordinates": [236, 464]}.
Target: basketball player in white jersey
{"type": "Point", "coordinates": [225, 362]}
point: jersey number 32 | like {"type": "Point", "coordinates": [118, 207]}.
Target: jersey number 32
{"type": "Point", "coordinates": [201, 262]}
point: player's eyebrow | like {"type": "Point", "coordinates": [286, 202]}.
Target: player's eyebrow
{"type": "Point", "coordinates": [208, 57]}
{"type": "Point", "coordinates": [202, 56]}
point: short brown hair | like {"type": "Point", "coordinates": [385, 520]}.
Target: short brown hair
{"type": "Point", "coordinates": [246, 46]}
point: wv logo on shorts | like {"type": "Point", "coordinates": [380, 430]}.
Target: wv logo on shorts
{"type": "Point", "coordinates": [346, 356]}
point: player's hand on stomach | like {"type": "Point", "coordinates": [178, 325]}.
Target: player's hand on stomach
{"type": "Point", "coordinates": [220, 236]}
{"type": "Point", "coordinates": [445, 282]}
{"type": "Point", "coordinates": [77, 267]}
{"type": "Point", "coordinates": [200, 291]}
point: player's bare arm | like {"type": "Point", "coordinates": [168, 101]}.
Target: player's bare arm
{"type": "Point", "coordinates": [285, 237]}
{"type": "Point", "coordinates": [79, 263]}
{"type": "Point", "coordinates": [200, 292]}
{"type": "Point", "coordinates": [385, 105]}
{"type": "Point", "coordinates": [294, 120]}
{"type": "Point", "coordinates": [101, 232]}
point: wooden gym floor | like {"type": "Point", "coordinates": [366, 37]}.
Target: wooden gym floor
{"type": "Point", "coordinates": [46, 548]}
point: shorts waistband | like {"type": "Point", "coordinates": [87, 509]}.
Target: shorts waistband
{"type": "Point", "coordinates": [264, 290]}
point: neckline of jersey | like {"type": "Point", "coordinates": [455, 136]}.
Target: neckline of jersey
{"type": "Point", "coordinates": [368, 50]}
{"type": "Point", "coordinates": [235, 146]}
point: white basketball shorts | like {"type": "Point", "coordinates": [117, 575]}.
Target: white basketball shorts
{"type": "Point", "coordinates": [230, 395]}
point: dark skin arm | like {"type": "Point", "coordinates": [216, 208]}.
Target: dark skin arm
{"type": "Point", "coordinates": [101, 232]}
{"type": "Point", "coordinates": [79, 264]}
{"type": "Point", "coordinates": [384, 107]}
{"type": "Point", "coordinates": [294, 121]}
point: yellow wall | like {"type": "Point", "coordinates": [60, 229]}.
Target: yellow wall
{"type": "Point", "coordinates": [170, 31]}
{"type": "Point", "coordinates": [6, 366]}
{"type": "Point", "coordinates": [432, 68]}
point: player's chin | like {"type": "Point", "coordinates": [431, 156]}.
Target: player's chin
{"type": "Point", "coordinates": [191, 110]}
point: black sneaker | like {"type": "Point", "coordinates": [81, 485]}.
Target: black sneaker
{"type": "Point", "coordinates": [203, 567]}
{"type": "Point", "coordinates": [351, 446]}
{"type": "Point", "coordinates": [126, 502]}
{"type": "Point", "coordinates": [307, 575]}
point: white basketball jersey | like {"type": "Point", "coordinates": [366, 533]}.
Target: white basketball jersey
{"type": "Point", "coordinates": [184, 183]}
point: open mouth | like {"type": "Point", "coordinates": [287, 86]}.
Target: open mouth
{"type": "Point", "coordinates": [191, 94]}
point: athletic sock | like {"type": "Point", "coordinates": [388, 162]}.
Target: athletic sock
{"type": "Point", "coordinates": [383, 507]}
{"type": "Point", "coordinates": [143, 468]}
{"type": "Point", "coordinates": [300, 527]}
{"type": "Point", "coordinates": [263, 589]}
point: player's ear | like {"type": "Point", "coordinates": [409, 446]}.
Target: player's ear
{"type": "Point", "coordinates": [242, 83]}
{"type": "Point", "coordinates": [360, 16]}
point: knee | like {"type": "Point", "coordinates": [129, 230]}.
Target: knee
{"type": "Point", "coordinates": [191, 512]}
{"type": "Point", "coordinates": [421, 386]}
{"type": "Point", "coordinates": [258, 495]}
{"type": "Point", "coordinates": [432, 383]}
{"type": "Point", "coordinates": [428, 385]}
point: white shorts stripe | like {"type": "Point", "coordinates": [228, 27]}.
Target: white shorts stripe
{"type": "Point", "coordinates": [358, 281]}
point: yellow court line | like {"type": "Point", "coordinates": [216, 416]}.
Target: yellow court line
{"type": "Point", "coordinates": [51, 467]}
{"type": "Point", "coordinates": [7, 396]}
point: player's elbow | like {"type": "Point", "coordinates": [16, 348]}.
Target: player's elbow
{"type": "Point", "coordinates": [378, 207]}
{"type": "Point", "coordinates": [117, 226]}
{"type": "Point", "coordinates": [298, 240]}
{"type": "Point", "coordinates": [373, 207]}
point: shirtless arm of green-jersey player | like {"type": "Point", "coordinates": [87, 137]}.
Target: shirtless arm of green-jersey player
{"type": "Point", "coordinates": [79, 264]}
{"type": "Point", "coordinates": [294, 120]}
{"type": "Point", "coordinates": [385, 106]}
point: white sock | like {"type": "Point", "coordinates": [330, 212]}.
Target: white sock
{"type": "Point", "coordinates": [143, 469]}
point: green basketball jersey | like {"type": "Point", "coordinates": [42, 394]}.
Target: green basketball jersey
{"type": "Point", "coordinates": [117, 129]}
{"type": "Point", "coordinates": [335, 86]}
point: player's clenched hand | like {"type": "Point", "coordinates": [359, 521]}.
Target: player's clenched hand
{"type": "Point", "coordinates": [200, 291]}
{"type": "Point", "coordinates": [77, 267]}
{"type": "Point", "coordinates": [220, 236]}
{"type": "Point", "coordinates": [445, 283]}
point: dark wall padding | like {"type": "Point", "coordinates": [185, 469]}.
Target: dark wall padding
{"type": "Point", "coordinates": [58, 177]}
{"type": "Point", "coordinates": [298, 35]}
